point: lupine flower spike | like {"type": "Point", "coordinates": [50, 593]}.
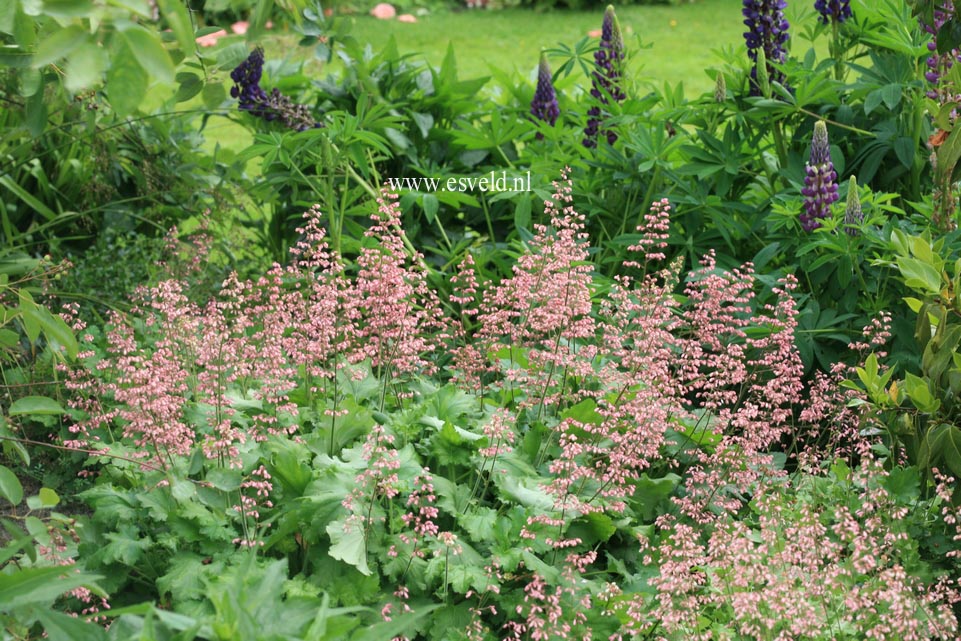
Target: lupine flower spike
{"type": "Point", "coordinates": [820, 186]}
{"type": "Point", "coordinates": [940, 64]}
{"type": "Point", "coordinates": [767, 32]}
{"type": "Point", "coordinates": [608, 60]}
{"type": "Point", "coordinates": [833, 10]}
{"type": "Point", "coordinates": [272, 106]}
{"type": "Point", "coordinates": [720, 88]}
{"type": "Point", "coordinates": [853, 216]}
{"type": "Point", "coordinates": [544, 105]}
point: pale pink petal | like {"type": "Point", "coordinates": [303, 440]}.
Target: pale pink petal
{"type": "Point", "coordinates": [383, 11]}
{"type": "Point", "coordinates": [211, 38]}
{"type": "Point", "coordinates": [406, 17]}
{"type": "Point", "coordinates": [240, 28]}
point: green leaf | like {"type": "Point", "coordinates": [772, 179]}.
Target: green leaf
{"type": "Point", "coordinates": [35, 406]}
{"type": "Point", "coordinates": [126, 81]}
{"type": "Point", "coordinates": [39, 586]}
{"type": "Point", "coordinates": [920, 394]}
{"type": "Point", "coordinates": [59, 45]}
{"type": "Point", "coordinates": [190, 86]}
{"type": "Point", "coordinates": [431, 205]}
{"type": "Point", "coordinates": [62, 627]}
{"type": "Point", "coordinates": [214, 95]}
{"type": "Point", "coordinates": [150, 53]}
{"type": "Point", "coordinates": [57, 331]}
{"type": "Point", "coordinates": [175, 13]}
{"type": "Point", "coordinates": [8, 16]}
{"type": "Point", "coordinates": [23, 194]}
{"type": "Point", "coordinates": [48, 497]}
{"type": "Point", "coordinates": [920, 275]}
{"type": "Point", "coordinates": [36, 115]}
{"type": "Point", "coordinates": [68, 8]}
{"type": "Point", "coordinates": [225, 479]}
{"type": "Point", "coordinates": [85, 67]}
{"type": "Point", "coordinates": [904, 483]}
{"type": "Point", "coordinates": [522, 213]}
{"type": "Point", "coordinates": [140, 7]}
{"type": "Point", "coordinates": [348, 547]}
{"type": "Point", "coordinates": [10, 487]}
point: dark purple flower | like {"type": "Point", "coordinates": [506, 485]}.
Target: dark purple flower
{"type": "Point", "coordinates": [606, 79]}
{"type": "Point", "coordinates": [269, 106]}
{"type": "Point", "coordinates": [940, 64]}
{"type": "Point", "coordinates": [820, 182]}
{"type": "Point", "coordinates": [544, 105]}
{"type": "Point", "coordinates": [833, 10]}
{"type": "Point", "coordinates": [767, 31]}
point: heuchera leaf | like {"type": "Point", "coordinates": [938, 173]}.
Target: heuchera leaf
{"type": "Point", "coordinates": [348, 547]}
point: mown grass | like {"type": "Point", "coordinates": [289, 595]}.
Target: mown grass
{"type": "Point", "coordinates": [682, 39]}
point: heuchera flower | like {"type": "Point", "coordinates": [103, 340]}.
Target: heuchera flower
{"type": "Point", "coordinates": [272, 106]}
{"type": "Point", "coordinates": [939, 64]}
{"type": "Point", "coordinates": [767, 31]}
{"type": "Point", "coordinates": [820, 186]}
{"type": "Point", "coordinates": [833, 10]}
{"type": "Point", "coordinates": [608, 60]}
{"type": "Point", "coordinates": [544, 105]}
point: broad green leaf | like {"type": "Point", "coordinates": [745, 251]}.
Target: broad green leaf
{"type": "Point", "coordinates": [920, 275]}
{"type": "Point", "coordinates": [68, 8]}
{"type": "Point", "coordinates": [225, 479]}
{"type": "Point", "coordinates": [35, 406]}
{"type": "Point", "coordinates": [85, 67]}
{"type": "Point", "coordinates": [62, 627]}
{"type": "Point", "coordinates": [10, 487]}
{"type": "Point", "coordinates": [57, 331]}
{"type": "Point", "coordinates": [140, 7]}
{"type": "Point", "coordinates": [190, 86]}
{"type": "Point", "coordinates": [48, 497]}
{"type": "Point", "coordinates": [59, 45]}
{"type": "Point", "coordinates": [348, 547]}
{"type": "Point", "coordinates": [214, 95]}
{"type": "Point", "coordinates": [175, 12]}
{"type": "Point", "coordinates": [150, 53]}
{"type": "Point", "coordinates": [39, 586]}
{"type": "Point", "coordinates": [126, 81]}
{"type": "Point", "coordinates": [8, 16]}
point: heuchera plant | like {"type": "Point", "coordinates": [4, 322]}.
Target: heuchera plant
{"type": "Point", "coordinates": [518, 460]}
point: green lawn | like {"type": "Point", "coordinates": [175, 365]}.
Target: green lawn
{"type": "Point", "coordinates": [683, 37]}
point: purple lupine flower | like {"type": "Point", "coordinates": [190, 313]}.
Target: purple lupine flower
{"type": "Point", "coordinates": [820, 183]}
{"type": "Point", "coordinates": [269, 106]}
{"type": "Point", "coordinates": [544, 105]}
{"type": "Point", "coordinates": [833, 10]}
{"type": "Point", "coordinates": [853, 216]}
{"type": "Point", "coordinates": [940, 64]}
{"type": "Point", "coordinates": [767, 31]}
{"type": "Point", "coordinates": [606, 79]}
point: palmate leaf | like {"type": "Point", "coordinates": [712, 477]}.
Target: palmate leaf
{"type": "Point", "coordinates": [349, 547]}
